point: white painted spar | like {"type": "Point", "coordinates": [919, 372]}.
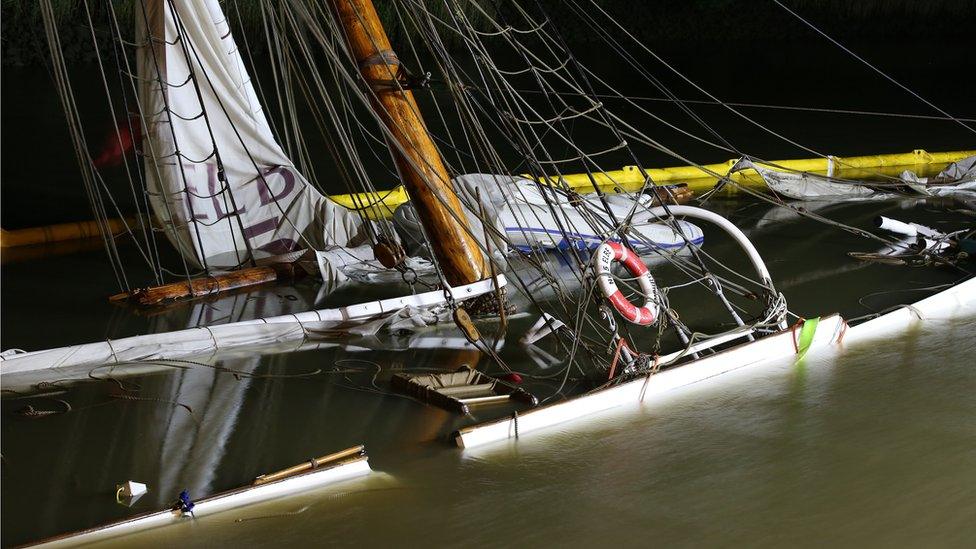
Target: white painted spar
{"type": "Point", "coordinates": [957, 301]}
{"type": "Point", "coordinates": [644, 389]}
{"type": "Point", "coordinates": [458, 343]}
{"type": "Point", "coordinates": [233, 499]}
{"type": "Point", "coordinates": [196, 341]}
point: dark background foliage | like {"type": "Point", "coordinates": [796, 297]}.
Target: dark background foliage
{"type": "Point", "coordinates": [661, 23]}
{"type": "Point", "coordinates": [742, 50]}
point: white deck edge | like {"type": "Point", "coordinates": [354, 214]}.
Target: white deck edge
{"type": "Point", "coordinates": [218, 503]}
{"type": "Point", "coordinates": [959, 300]}
{"type": "Point", "coordinates": [777, 346]}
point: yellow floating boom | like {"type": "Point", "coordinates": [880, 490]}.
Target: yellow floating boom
{"type": "Point", "coordinates": [702, 178]}
{"type": "Point", "coordinates": [698, 178]}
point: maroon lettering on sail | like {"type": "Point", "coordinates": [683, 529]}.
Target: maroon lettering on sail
{"type": "Point", "coordinates": [261, 222]}
{"type": "Point", "coordinates": [275, 247]}
{"type": "Point", "coordinates": [279, 246]}
{"type": "Point", "coordinates": [210, 201]}
{"type": "Point", "coordinates": [195, 206]}
{"type": "Point", "coordinates": [270, 179]}
{"type": "Point", "coordinates": [261, 227]}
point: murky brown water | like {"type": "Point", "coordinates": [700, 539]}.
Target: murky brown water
{"type": "Point", "coordinates": [872, 447]}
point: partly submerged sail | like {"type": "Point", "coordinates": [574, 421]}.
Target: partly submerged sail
{"type": "Point", "coordinates": [222, 187]}
{"type": "Point", "coordinates": [958, 178]}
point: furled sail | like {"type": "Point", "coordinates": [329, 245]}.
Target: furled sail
{"type": "Point", "coordinates": [218, 181]}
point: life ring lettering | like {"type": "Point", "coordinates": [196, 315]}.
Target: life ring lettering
{"type": "Point", "coordinates": [606, 254]}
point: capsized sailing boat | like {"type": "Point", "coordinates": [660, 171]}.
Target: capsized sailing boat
{"type": "Point", "coordinates": [227, 195]}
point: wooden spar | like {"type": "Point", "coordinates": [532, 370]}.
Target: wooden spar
{"type": "Point", "coordinates": [62, 232]}
{"type": "Point", "coordinates": [418, 160]}
{"type": "Point", "coordinates": [211, 285]}
{"type": "Point", "coordinates": [355, 451]}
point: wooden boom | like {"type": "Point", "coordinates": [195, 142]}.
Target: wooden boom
{"type": "Point", "coordinates": [211, 285]}
{"type": "Point", "coordinates": [418, 160]}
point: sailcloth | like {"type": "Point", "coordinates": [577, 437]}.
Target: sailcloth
{"type": "Point", "coordinates": [524, 217]}
{"type": "Point", "coordinates": [957, 179]}
{"type": "Point", "coordinates": [806, 186]}
{"type": "Point", "coordinates": [218, 181]}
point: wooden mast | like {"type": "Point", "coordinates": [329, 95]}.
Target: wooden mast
{"type": "Point", "coordinates": [418, 160]}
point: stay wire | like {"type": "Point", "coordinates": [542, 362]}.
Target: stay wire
{"type": "Point", "coordinates": [872, 66]}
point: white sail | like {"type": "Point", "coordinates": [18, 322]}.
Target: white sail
{"type": "Point", "coordinates": [958, 178]}
{"type": "Point", "coordinates": [805, 186]}
{"type": "Point", "coordinates": [200, 113]}
{"type": "Point", "coordinates": [524, 218]}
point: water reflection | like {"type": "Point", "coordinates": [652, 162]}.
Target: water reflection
{"type": "Point", "coordinates": [866, 449]}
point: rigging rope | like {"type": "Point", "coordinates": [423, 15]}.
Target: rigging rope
{"type": "Point", "coordinates": [871, 66]}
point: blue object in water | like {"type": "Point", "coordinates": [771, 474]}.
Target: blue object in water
{"type": "Point", "coordinates": [185, 505]}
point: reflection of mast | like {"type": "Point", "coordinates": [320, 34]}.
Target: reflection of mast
{"type": "Point", "coordinates": [193, 446]}
{"type": "Point", "coordinates": [421, 168]}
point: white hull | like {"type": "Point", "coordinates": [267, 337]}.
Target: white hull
{"type": "Point", "coordinates": [959, 300]}
{"type": "Point", "coordinates": [644, 389]}
{"type": "Point", "coordinates": [217, 504]}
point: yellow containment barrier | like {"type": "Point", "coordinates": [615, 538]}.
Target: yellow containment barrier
{"type": "Point", "coordinates": [380, 205]}
{"type": "Point", "coordinates": [702, 178]}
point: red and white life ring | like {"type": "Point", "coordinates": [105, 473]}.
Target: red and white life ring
{"type": "Point", "coordinates": [606, 254]}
